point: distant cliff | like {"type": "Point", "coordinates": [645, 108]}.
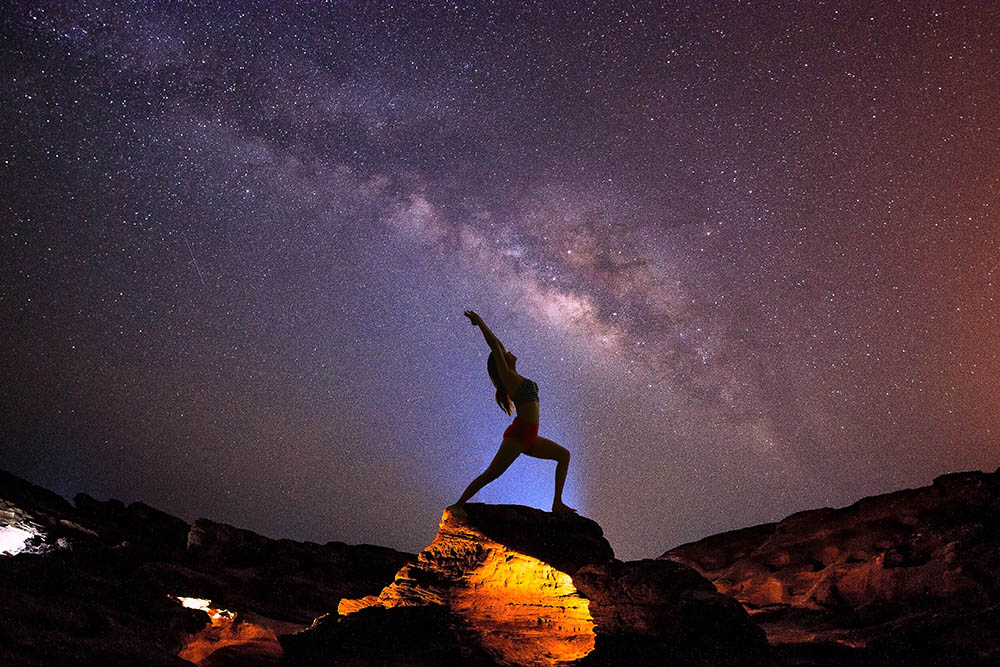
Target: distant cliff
{"type": "Point", "coordinates": [911, 577]}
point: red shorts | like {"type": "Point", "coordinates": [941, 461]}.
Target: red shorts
{"type": "Point", "coordinates": [522, 430]}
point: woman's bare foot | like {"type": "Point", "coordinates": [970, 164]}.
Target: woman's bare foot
{"type": "Point", "coordinates": [458, 510]}
{"type": "Point", "coordinates": [560, 507]}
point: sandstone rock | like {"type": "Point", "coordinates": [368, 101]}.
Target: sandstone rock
{"type": "Point", "coordinates": [906, 578]}
{"type": "Point", "coordinates": [668, 611]}
{"type": "Point", "coordinates": [238, 639]}
{"type": "Point", "coordinates": [868, 574]}
{"type": "Point", "coordinates": [513, 585]}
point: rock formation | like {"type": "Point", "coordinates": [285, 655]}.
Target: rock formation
{"type": "Point", "coordinates": [512, 585]}
{"type": "Point", "coordinates": [100, 583]}
{"type": "Point", "coordinates": [911, 576]}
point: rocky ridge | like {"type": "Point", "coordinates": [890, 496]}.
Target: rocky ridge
{"type": "Point", "coordinates": [99, 583]}
{"type": "Point", "coordinates": [512, 585]}
{"type": "Point", "coordinates": [906, 577]}
{"type": "Point", "coordinates": [911, 577]}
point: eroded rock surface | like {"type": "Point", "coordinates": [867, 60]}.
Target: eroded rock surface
{"type": "Point", "coordinates": [908, 575]}
{"type": "Point", "coordinates": [513, 585]}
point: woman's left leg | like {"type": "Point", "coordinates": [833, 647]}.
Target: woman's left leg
{"type": "Point", "coordinates": [543, 448]}
{"type": "Point", "coordinates": [510, 449]}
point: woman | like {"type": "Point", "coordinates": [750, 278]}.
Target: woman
{"type": "Point", "coordinates": [520, 436]}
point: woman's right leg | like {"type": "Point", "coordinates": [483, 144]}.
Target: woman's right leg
{"type": "Point", "coordinates": [543, 448]}
{"type": "Point", "coordinates": [509, 450]}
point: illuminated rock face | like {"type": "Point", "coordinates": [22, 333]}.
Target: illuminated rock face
{"type": "Point", "coordinates": [890, 570]}
{"type": "Point", "coordinates": [525, 612]}
{"type": "Point", "coordinates": [232, 638]}
{"type": "Point", "coordinates": [522, 610]}
{"type": "Point", "coordinates": [512, 585]}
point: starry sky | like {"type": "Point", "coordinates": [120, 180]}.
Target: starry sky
{"type": "Point", "coordinates": [748, 251]}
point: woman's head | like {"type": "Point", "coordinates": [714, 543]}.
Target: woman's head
{"type": "Point", "coordinates": [503, 400]}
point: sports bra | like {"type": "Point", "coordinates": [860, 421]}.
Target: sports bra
{"type": "Point", "coordinates": [527, 392]}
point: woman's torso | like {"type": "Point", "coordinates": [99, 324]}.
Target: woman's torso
{"type": "Point", "coordinates": [528, 409]}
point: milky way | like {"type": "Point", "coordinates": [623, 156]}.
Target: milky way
{"type": "Point", "coordinates": [747, 251]}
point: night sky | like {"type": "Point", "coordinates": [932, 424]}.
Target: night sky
{"type": "Point", "coordinates": [748, 251]}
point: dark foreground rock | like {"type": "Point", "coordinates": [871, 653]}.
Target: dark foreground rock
{"type": "Point", "coordinates": [513, 585]}
{"type": "Point", "coordinates": [911, 577]}
{"type": "Point", "coordinates": [97, 583]}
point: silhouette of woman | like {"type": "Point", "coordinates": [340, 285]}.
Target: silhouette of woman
{"type": "Point", "coordinates": [522, 435]}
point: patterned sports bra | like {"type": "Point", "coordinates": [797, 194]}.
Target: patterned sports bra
{"type": "Point", "coordinates": [527, 392]}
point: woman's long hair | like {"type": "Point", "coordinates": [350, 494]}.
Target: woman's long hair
{"type": "Point", "coordinates": [503, 400]}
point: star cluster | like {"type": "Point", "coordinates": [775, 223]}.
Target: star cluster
{"type": "Point", "coordinates": [748, 253]}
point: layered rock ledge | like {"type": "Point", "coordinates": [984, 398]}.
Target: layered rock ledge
{"type": "Point", "coordinates": [906, 577]}
{"type": "Point", "coordinates": [512, 585]}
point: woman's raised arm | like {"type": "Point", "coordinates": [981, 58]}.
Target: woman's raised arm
{"type": "Point", "coordinates": [491, 339]}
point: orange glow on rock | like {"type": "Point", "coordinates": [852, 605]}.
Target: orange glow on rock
{"type": "Point", "coordinates": [525, 611]}
{"type": "Point", "coordinates": [228, 629]}
{"type": "Point", "coordinates": [522, 610]}
{"type": "Point", "coordinates": [225, 633]}
{"type": "Point", "coordinates": [218, 616]}
{"type": "Point", "coordinates": [350, 606]}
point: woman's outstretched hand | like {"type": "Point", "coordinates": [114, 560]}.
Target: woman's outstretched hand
{"type": "Point", "coordinates": [475, 319]}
